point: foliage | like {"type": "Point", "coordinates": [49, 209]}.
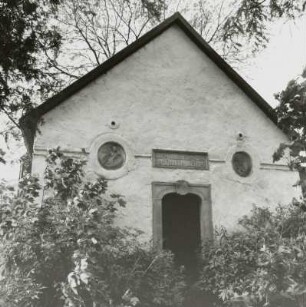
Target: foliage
{"type": "Point", "coordinates": [263, 264]}
{"type": "Point", "coordinates": [27, 33]}
{"type": "Point", "coordinates": [292, 105]}
{"type": "Point", "coordinates": [66, 250]}
{"type": "Point", "coordinates": [251, 18]}
{"type": "Point", "coordinates": [291, 114]}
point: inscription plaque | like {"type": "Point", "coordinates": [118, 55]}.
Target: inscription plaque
{"type": "Point", "coordinates": [180, 159]}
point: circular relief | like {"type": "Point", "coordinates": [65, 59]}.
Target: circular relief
{"type": "Point", "coordinates": [242, 163]}
{"type": "Point", "coordinates": [111, 156]}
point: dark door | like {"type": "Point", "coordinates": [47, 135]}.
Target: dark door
{"type": "Point", "coordinates": [181, 227]}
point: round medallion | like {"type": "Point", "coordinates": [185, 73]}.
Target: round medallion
{"type": "Point", "coordinates": [111, 156]}
{"type": "Point", "coordinates": [242, 163]}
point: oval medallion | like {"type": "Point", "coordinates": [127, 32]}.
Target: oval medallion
{"type": "Point", "coordinates": [111, 156]}
{"type": "Point", "coordinates": [242, 163]}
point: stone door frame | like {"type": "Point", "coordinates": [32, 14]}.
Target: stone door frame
{"type": "Point", "coordinates": [160, 189]}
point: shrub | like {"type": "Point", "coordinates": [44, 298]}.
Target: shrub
{"type": "Point", "coordinates": [60, 246]}
{"type": "Point", "coordinates": [261, 265]}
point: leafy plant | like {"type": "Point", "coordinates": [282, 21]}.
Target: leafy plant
{"type": "Point", "coordinates": [28, 35]}
{"type": "Point", "coordinates": [291, 114]}
{"type": "Point", "coordinates": [60, 246]}
{"type": "Point", "coordinates": [261, 265]}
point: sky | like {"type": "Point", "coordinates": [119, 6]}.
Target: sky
{"type": "Point", "coordinates": [281, 61]}
{"type": "Point", "coordinates": [271, 70]}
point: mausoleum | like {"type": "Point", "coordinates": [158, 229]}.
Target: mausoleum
{"type": "Point", "coordinates": [175, 130]}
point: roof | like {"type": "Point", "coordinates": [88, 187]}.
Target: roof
{"type": "Point", "coordinates": [29, 121]}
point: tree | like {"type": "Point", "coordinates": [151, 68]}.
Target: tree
{"type": "Point", "coordinates": [26, 33]}
{"type": "Point", "coordinates": [291, 114]}
{"type": "Point", "coordinates": [65, 249]}
{"type": "Point", "coordinates": [94, 31]}
{"type": "Point", "coordinates": [252, 17]}
{"type": "Point", "coordinates": [98, 29]}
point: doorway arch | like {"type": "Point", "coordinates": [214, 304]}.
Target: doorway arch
{"type": "Point", "coordinates": [202, 191]}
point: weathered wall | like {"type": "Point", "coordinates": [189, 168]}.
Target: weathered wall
{"type": "Point", "coordinates": [169, 95]}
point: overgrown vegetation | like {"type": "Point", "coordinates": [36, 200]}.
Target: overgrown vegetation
{"type": "Point", "coordinates": [61, 247]}
{"type": "Point", "coordinates": [66, 250]}
{"type": "Point", "coordinates": [261, 265]}
{"type": "Point", "coordinates": [291, 114]}
{"type": "Point", "coordinates": [27, 34]}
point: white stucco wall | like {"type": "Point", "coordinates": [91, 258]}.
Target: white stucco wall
{"type": "Point", "coordinates": [169, 95]}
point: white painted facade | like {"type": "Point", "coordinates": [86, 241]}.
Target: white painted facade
{"type": "Point", "coordinates": [170, 95]}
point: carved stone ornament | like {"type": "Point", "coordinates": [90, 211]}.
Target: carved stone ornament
{"type": "Point", "coordinates": [242, 164]}
{"type": "Point", "coordinates": [182, 187]}
{"type": "Point", "coordinates": [111, 156]}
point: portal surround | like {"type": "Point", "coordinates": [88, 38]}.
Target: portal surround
{"type": "Point", "coordinates": [160, 189]}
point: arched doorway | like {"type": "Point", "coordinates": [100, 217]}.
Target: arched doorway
{"type": "Point", "coordinates": [181, 227]}
{"type": "Point", "coordinates": [197, 193]}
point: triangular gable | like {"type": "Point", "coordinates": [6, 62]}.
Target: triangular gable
{"type": "Point", "coordinates": [29, 122]}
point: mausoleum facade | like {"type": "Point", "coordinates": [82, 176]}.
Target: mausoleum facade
{"type": "Point", "coordinates": [175, 130]}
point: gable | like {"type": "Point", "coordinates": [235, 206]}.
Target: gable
{"type": "Point", "coordinates": [29, 122]}
{"type": "Point", "coordinates": [167, 94]}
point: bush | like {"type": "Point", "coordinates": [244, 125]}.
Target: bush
{"type": "Point", "coordinates": [261, 265]}
{"type": "Point", "coordinates": [65, 249]}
